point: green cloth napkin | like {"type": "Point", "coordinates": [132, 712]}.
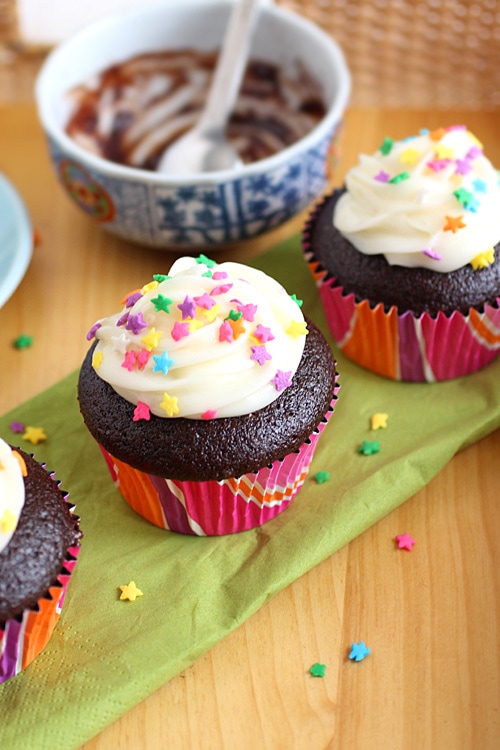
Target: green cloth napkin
{"type": "Point", "coordinates": [106, 655]}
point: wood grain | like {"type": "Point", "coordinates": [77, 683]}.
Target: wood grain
{"type": "Point", "coordinates": [431, 617]}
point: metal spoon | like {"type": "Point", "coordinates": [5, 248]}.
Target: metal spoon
{"type": "Point", "coordinates": [205, 147]}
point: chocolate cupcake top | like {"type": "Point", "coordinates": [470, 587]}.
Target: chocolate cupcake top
{"type": "Point", "coordinates": [428, 201]}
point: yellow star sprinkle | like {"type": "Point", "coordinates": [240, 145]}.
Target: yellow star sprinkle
{"type": "Point", "coordinates": [149, 287]}
{"type": "Point", "coordinates": [444, 152]}
{"type": "Point", "coordinates": [297, 328]}
{"type": "Point", "coordinates": [409, 155]}
{"type": "Point", "coordinates": [378, 421]}
{"type": "Point", "coordinates": [97, 358]}
{"type": "Point", "coordinates": [152, 339]}
{"type": "Point", "coordinates": [194, 325]}
{"type": "Point", "coordinates": [483, 259]}
{"type": "Point", "coordinates": [212, 313]}
{"type": "Point", "coordinates": [34, 435]}
{"type": "Point", "coordinates": [130, 592]}
{"type": "Point", "coordinates": [8, 522]}
{"type": "Point", "coordinates": [169, 405]}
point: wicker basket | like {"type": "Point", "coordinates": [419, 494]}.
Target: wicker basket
{"type": "Point", "coordinates": [402, 53]}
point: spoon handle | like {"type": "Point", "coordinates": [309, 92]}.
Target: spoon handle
{"type": "Point", "coordinates": [230, 64]}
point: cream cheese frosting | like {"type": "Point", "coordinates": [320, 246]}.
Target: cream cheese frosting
{"type": "Point", "coordinates": [205, 341]}
{"type": "Point", "coordinates": [11, 492]}
{"type": "Point", "coordinates": [429, 201]}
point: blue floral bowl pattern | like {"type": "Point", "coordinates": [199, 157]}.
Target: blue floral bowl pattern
{"type": "Point", "coordinates": [195, 214]}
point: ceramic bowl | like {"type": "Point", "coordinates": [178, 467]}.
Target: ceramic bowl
{"type": "Point", "coordinates": [206, 210]}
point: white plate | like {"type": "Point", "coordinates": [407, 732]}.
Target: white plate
{"type": "Point", "coordinates": [16, 240]}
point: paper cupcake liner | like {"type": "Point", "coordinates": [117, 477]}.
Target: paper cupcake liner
{"type": "Point", "coordinates": [214, 508]}
{"type": "Point", "coordinates": [406, 347]}
{"type": "Point", "coordinates": [23, 637]}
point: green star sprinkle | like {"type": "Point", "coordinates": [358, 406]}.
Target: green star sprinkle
{"type": "Point", "coordinates": [159, 277]}
{"type": "Point", "coordinates": [321, 476]}
{"type": "Point", "coordinates": [208, 274]}
{"type": "Point", "coordinates": [162, 303]}
{"type": "Point", "coordinates": [23, 341]}
{"type": "Point", "coordinates": [295, 299]}
{"type": "Point", "coordinates": [386, 146]}
{"type": "Point", "coordinates": [399, 178]}
{"type": "Point", "coordinates": [233, 315]}
{"type": "Point", "coordinates": [318, 670]}
{"type": "Point", "coordinates": [203, 259]}
{"type": "Point", "coordinates": [462, 195]}
{"type": "Point", "coordinates": [369, 447]}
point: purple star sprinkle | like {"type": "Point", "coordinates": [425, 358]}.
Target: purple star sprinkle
{"type": "Point", "coordinates": [132, 299]}
{"type": "Point", "coordinates": [474, 152]}
{"type": "Point", "coordinates": [382, 176]}
{"type": "Point", "coordinates": [136, 323]}
{"type": "Point", "coordinates": [16, 426]}
{"type": "Point", "coordinates": [431, 253]}
{"type": "Point", "coordinates": [187, 308]}
{"type": "Point", "coordinates": [463, 166]}
{"type": "Point", "coordinates": [263, 334]}
{"type": "Point", "coordinates": [91, 334]}
{"type": "Point", "coordinates": [260, 354]}
{"type": "Point", "coordinates": [282, 380]}
{"type": "Point", "coordinates": [121, 321]}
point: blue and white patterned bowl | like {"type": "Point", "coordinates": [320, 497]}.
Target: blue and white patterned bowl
{"type": "Point", "coordinates": [206, 210]}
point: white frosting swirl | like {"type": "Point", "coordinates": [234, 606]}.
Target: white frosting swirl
{"type": "Point", "coordinates": [209, 340]}
{"type": "Point", "coordinates": [11, 493]}
{"type": "Point", "coordinates": [440, 212]}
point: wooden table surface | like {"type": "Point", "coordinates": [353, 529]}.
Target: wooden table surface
{"type": "Point", "coordinates": [431, 617]}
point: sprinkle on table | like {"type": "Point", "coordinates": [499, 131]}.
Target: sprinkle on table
{"type": "Point", "coordinates": [318, 670]}
{"type": "Point", "coordinates": [23, 341]}
{"type": "Point", "coordinates": [34, 435]}
{"type": "Point", "coordinates": [404, 541]}
{"type": "Point", "coordinates": [321, 476]}
{"type": "Point", "coordinates": [359, 651]}
{"type": "Point", "coordinates": [378, 421]}
{"type": "Point", "coordinates": [17, 427]}
{"type": "Point", "coordinates": [130, 592]}
{"type": "Point", "coordinates": [369, 447]}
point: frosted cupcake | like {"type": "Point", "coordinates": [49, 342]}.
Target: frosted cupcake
{"type": "Point", "coordinates": [406, 258]}
{"type": "Point", "coordinates": [39, 544]}
{"type": "Point", "coordinates": [207, 394]}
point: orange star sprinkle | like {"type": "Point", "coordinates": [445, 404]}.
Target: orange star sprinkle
{"type": "Point", "coordinates": [453, 224]}
{"type": "Point", "coordinates": [436, 135]}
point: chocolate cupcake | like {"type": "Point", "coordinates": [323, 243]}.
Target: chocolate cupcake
{"type": "Point", "coordinates": [207, 395]}
{"type": "Point", "coordinates": [39, 544]}
{"type": "Point", "coordinates": [407, 261]}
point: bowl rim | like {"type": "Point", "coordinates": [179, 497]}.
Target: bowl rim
{"type": "Point", "coordinates": [55, 131]}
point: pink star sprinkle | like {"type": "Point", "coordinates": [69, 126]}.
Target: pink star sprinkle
{"type": "Point", "coordinates": [260, 354]}
{"type": "Point", "coordinates": [221, 289]}
{"type": "Point", "coordinates": [282, 380]}
{"type": "Point", "coordinates": [219, 275]}
{"type": "Point", "coordinates": [17, 426]}
{"type": "Point", "coordinates": [205, 301]}
{"type": "Point", "coordinates": [129, 361]}
{"type": "Point", "coordinates": [382, 176]}
{"type": "Point", "coordinates": [226, 332]}
{"type": "Point", "coordinates": [209, 414]}
{"type": "Point", "coordinates": [179, 330]}
{"type": "Point", "coordinates": [262, 333]}
{"type": "Point", "coordinates": [141, 411]}
{"type": "Point", "coordinates": [438, 164]}
{"type": "Point", "coordinates": [142, 358]}
{"type": "Point", "coordinates": [431, 253]}
{"type": "Point", "coordinates": [463, 166]}
{"type": "Point", "coordinates": [247, 311]}
{"type": "Point", "coordinates": [405, 541]}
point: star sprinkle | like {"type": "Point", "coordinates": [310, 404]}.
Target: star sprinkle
{"type": "Point", "coordinates": [8, 521]}
{"type": "Point", "coordinates": [34, 435]}
{"type": "Point", "coordinates": [120, 343]}
{"type": "Point", "coordinates": [162, 362]}
{"type": "Point", "coordinates": [463, 166]}
{"type": "Point", "coordinates": [260, 354]}
{"type": "Point", "coordinates": [297, 301]}
{"type": "Point", "coordinates": [382, 176]}
{"type": "Point", "coordinates": [282, 380]}
{"type": "Point", "coordinates": [129, 360]}
{"type": "Point", "coordinates": [378, 421]}
{"type": "Point", "coordinates": [262, 333]}
{"type": "Point", "coordinates": [321, 477]}
{"type": "Point", "coordinates": [149, 287]}
{"type": "Point", "coordinates": [369, 447]}
{"type": "Point", "coordinates": [409, 155]}
{"type": "Point", "coordinates": [159, 277]}
{"type": "Point", "coordinates": [142, 358]}
{"type": "Point", "coordinates": [209, 414]}
{"type": "Point", "coordinates": [248, 312]}
{"type": "Point", "coordinates": [432, 253]}
{"type": "Point", "coordinates": [237, 327]}
{"type": "Point", "coordinates": [484, 259]}
{"type": "Point", "coordinates": [97, 358]}
{"type": "Point", "coordinates": [206, 261]}
{"type": "Point", "coordinates": [437, 165]}
{"type": "Point", "coordinates": [133, 298]}
{"type": "Point", "coordinates": [359, 651]}
{"type": "Point", "coordinates": [211, 314]}
{"type": "Point", "coordinates": [453, 224]}
{"type": "Point", "coordinates": [297, 328]}
{"type": "Point", "coordinates": [218, 275]}
{"type": "Point", "coordinates": [136, 323]}
{"type": "Point", "coordinates": [169, 405]}
{"type": "Point", "coordinates": [130, 592]}
{"type": "Point", "coordinates": [444, 152]}
{"type": "Point", "coordinates": [187, 308]}
{"type": "Point", "coordinates": [152, 339]}
{"type": "Point", "coordinates": [386, 146]}
{"type": "Point", "coordinates": [479, 186]}
{"type": "Point", "coordinates": [92, 332]}
{"type": "Point", "coordinates": [226, 332]}
{"type": "Point", "coordinates": [161, 303]}
{"type": "Point", "coordinates": [221, 289]}
{"type": "Point", "coordinates": [205, 301]}
{"type": "Point", "coordinates": [130, 295]}
{"type": "Point", "coordinates": [141, 411]}
{"type": "Point", "coordinates": [399, 178]}
{"type": "Point", "coordinates": [318, 670]}
{"type": "Point", "coordinates": [23, 341]}
{"type": "Point", "coordinates": [405, 541]}
{"type": "Point", "coordinates": [437, 134]}
{"type": "Point", "coordinates": [16, 426]}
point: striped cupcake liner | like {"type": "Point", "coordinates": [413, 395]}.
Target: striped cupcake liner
{"type": "Point", "coordinates": [403, 346]}
{"type": "Point", "coordinates": [215, 508]}
{"type": "Point", "coordinates": [23, 637]}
